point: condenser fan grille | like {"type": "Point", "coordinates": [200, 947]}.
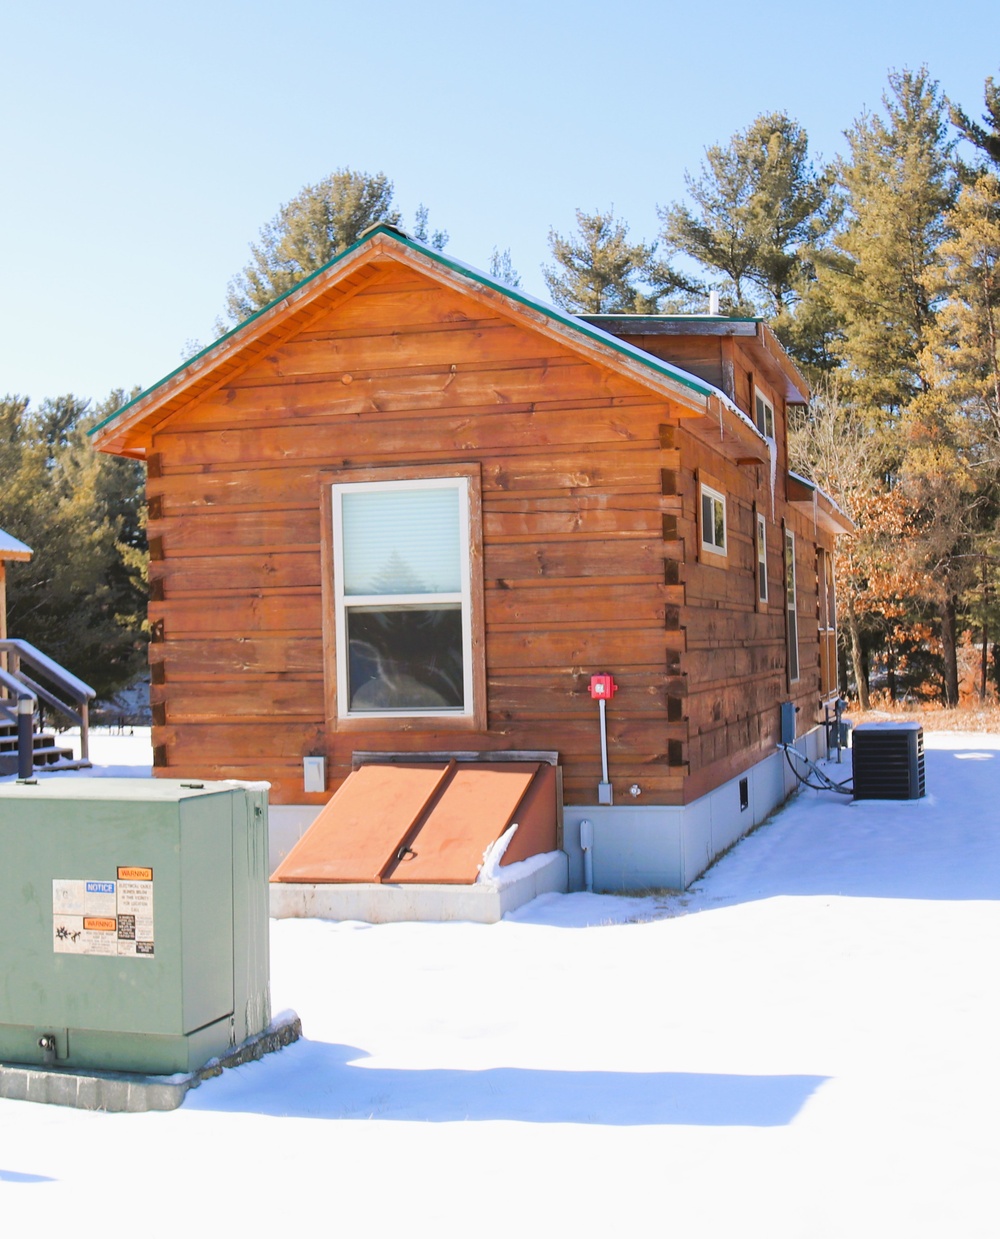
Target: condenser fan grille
{"type": "Point", "coordinates": [888, 761]}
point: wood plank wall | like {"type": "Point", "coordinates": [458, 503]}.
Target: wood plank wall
{"type": "Point", "coordinates": [583, 548]}
{"type": "Point", "coordinates": [406, 372]}
{"type": "Point", "coordinates": [698, 355]}
{"type": "Point", "coordinates": [735, 659]}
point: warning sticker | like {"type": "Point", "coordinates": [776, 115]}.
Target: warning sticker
{"type": "Point", "coordinates": [134, 873]}
{"type": "Point", "coordinates": [104, 917]}
{"type": "Point", "coordinates": [135, 912]}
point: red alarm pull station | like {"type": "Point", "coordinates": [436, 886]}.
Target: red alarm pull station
{"type": "Point", "coordinates": [602, 687]}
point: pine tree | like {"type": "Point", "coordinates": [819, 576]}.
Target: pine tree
{"type": "Point", "coordinates": [81, 599]}
{"type": "Point", "coordinates": [758, 208]}
{"type": "Point", "coordinates": [437, 239]}
{"type": "Point", "coordinates": [962, 356]}
{"type": "Point", "coordinates": [600, 272]}
{"type": "Point", "coordinates": [898, 183]}
{"type": "Point", "coordinates": [951, 467]}
{"type": "Point", "coordinates": [311, 229]}
{"type": "Point", "coordinates": [502, 268]}
{"type": "Point", "coordinates": [986, 139]}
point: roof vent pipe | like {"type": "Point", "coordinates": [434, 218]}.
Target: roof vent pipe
{"type": "Point", "coordinates": [713, 302]}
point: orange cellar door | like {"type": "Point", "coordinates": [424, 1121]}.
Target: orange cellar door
{"type": "Point", "coordinates": [426, 822]}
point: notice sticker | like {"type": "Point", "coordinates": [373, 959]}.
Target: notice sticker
{"type": "Point", "coordinates": [84, 898]}
{"type": "Point", "coordinates": [99, 916]}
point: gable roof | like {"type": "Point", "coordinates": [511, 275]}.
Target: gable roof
{"type": "Point", "coordinates": [128, 430]}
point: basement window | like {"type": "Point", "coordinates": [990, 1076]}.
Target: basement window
{"type": "Point", "coordinates": [403, 596]}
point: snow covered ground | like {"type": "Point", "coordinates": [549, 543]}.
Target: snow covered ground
{"type": "Point", "coordinates": [803, 1046]}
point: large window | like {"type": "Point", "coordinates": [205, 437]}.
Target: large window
{"type": "Point", "coordinates": [403, 596]}
{"type": "Point", "coordinates": [793, 619]}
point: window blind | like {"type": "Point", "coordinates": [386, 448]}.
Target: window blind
{"type": "Point", "coordinates": [404, 541]}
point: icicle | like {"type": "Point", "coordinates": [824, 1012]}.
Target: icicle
{"type": "Point", "coordinates": [815, 512]}
{"type": "Point", "coordinates": [772, 451]}
{"type": "Point", "coordinates": [722, 433]}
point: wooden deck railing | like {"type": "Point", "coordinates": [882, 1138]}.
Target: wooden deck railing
{"type": "Point", "coordinates": [26, 674]}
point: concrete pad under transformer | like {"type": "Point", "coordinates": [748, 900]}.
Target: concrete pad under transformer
{"type": "Point", "coordinates": [119, 1092]}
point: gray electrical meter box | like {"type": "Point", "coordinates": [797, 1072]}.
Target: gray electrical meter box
{"type": "Point", "coordinates": [133, 922]}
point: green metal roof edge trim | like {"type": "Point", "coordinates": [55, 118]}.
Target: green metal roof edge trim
{"type": "Point", "coordinates": [569, 320]}
{"type": "Point", "coordinates": [685, 318]}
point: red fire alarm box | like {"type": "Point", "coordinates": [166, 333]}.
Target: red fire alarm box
{"type": "Point", "coordinates": [602, 687]}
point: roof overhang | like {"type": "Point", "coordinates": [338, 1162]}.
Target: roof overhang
{"type": "Point", "coordinates": [753, 333]}
{"type": "Point", "coordinates": [807, 498]}
{"type": "Point", "coordinates": [12, 548]}
{"type": "Point", "coordinates": [129, 431]}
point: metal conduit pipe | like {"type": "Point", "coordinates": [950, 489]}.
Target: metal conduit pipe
{"type": "Point", "coordinates": [587, 844]}
{"type": "Point", "coordinates": [25, 736]}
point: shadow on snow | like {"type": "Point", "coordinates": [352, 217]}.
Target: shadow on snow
{"type": "Point", "coordinates": [313, 1079]}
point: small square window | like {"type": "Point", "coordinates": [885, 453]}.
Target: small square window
{"type": "Point", "coordinates": [763, 414]}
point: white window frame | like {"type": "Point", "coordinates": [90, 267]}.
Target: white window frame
{"type": "Point", "coordinates": [761, 557]}
{"type": "Point", "coordinates": [791, 596]}
{"type": "Point", "coordinates": [763, 417]}
{"type": "Point", "coordinates": [708, 542]}
{"type": "Point", "coordinates": [827, 612]}
{"type": "Point", "coordinates": [344, 603]}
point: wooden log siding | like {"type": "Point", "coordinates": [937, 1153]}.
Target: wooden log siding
{"type": "Point", "coordinates": [587, 554]}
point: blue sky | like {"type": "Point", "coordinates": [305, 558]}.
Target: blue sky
{"type": "Point", "coordinates": [143, 146]}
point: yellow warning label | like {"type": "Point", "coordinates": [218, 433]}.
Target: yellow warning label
{"type": "Point", "coordinates": [106, 924]}
{"type": "Point", "coordinates": [134, 873]}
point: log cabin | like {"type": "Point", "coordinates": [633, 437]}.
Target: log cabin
{"type": "Point", "coordinates": [406, 510]}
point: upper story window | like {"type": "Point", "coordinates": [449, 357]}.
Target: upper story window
{"type": "Point", "coordinates": [403, 596]}
{"type": "Point", "coordinates": [713, 520]}
{"type": "Point", "coordinates": [763, 414]}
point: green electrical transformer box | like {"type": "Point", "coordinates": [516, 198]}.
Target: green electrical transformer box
{"type": "Point", "coordinates": [133, 922]}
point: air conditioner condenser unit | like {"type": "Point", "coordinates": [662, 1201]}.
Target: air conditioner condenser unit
{"type": "Point", "coordinates": [889, 761]}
